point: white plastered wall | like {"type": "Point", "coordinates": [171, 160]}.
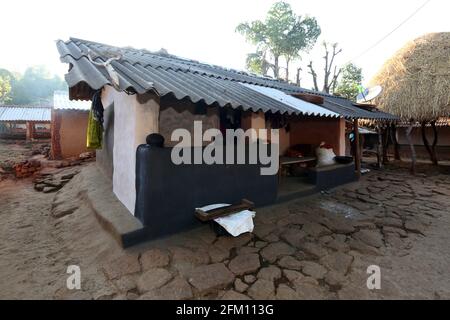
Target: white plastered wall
{"type": "Point", "coordinates": [135, 117]}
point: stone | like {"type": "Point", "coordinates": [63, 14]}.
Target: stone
{"type": "Point", "coordinates": [292, 275]}
{"type": "Point", "coordinates": [284, 292]}
{"type": "Point", "coordinates": [63, 209]}
{"type": "Point", "coordinates": [218, 254]}
{"type": "Point", "coordinates": [362, 247]}
{"type": "Point", "coordinates": [402, 233]}
{"type": "Point", "coordinates": [154, 258]}
{"type": "Point", "coordinates": [315, 230]}
{"type": "Point", "coordinates": [262, 290]}
{"type": "Point", "coordinates": [51, 189]}
{"type": "Point", "coordinates": [240, 286]}
{"type": "Point", "coordinates": [370, 237]}
{"type": "Point", "coordinates": [335, 279]}
{"type": "Point", "coordinates": [244, 264]}
{"type": "Point", "coordinates": [414, 226]}
{"type": "Point", "coordinates": [247, 250]}
{"type": "Point", "coordinates": [260, 244]}
{"type": "Point", "coordinates": [389, 222]}
{"type": "Point", "coordinates": [126, 264]}
{"type": "Point", "coordinates": [337, 261]}
{"type": "Point", "coordinates": [313, 269]}
{"type": "Point", "coordinates": [289, 262]}
{"type": "Point", "coordinates": [39, 186]}
{"type": "Point", "coordinates": [293, 236]}
{"type": "Point", "coordinates": [338, 245]}
{"type": "Point", "coordinates": [309, 291]}
{"type": "Point", "coordinates": [228, 243]}
{"type": "Point", "coordinates": [249, 278]}
{"type": "Point", "coordinates": [210, 277]}
{"type": "Point", "coordinates": [263, 230]}
{"type": "Point", "coordinates": [132, 296]}
{"type": "Point", "coordinates": [125, 283]}
{"type": "Point", "coordinates": [177, 289]}
{"type": "Point", "coordinates": [233, 295]}
{"type": "Point", "coordinates": [153, 279]}
{"type": "Point", "coordinates": [184, 260]}
{"type": "Point", "coordinates": [105, 293]}
{"type": "Point", "coordinates": [270, 273]}
{"type": "Point", "coordinates": [275, 250]}
{"type": "Point", "coordinates": [313, 250]}
{"type": "Point", "coordinates": [338, 225]}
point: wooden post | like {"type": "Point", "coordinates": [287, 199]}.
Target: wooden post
{"type": "Point", "coordinates": [379, 148]}
{"type": "Point", "coordinates": [30, 131]}
{"type": "Point", "coordinates": [411, 146]}
{"type": "Point", "coordinates": [395, 141]}
{"type": "Point", "coordinates": [357, 148]}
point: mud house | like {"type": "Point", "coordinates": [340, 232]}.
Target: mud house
{"type": "Point", "coordinates": [25, 122]}
{"type": "Point", "coordinates": [144, 93]}
{"type": "Point", "coordinates": [69, 123]}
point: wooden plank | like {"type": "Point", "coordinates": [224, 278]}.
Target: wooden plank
{"type": "Point", "coordinates": [357, 148]}
{"type": "Point", "coordinates": [224, 211]}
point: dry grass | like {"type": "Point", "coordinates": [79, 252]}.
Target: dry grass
{"type": "Point", "coordinates": [416, 80]}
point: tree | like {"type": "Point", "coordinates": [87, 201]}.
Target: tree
{"type": "Point", "coordinates": [329, 79]}
{"type": "Point", "coordinates": [35, 86]}
{"type": "Point", "coordinates": [257, 63]}
{"type": "Point", "coordinates": [283, 33]}
{"type": "Point", "coordinates": [5, 86]}
{"type": "Point", "coordinates": [350, 82]}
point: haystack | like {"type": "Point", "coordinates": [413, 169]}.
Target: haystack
{"type": "Point", "coordinates": [416, 80]}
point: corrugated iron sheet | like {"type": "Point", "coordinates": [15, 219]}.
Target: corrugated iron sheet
{"type": "Point", "coordinates": [25, 113]}
{"type": "Point", "coordinates": [141, 71]}
{"type": "Point", "coordinates": [61, 101]}
{"type": "Point", "coordinates": [304, 107]}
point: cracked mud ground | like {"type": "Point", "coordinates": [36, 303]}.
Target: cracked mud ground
{"type": "Point", "coordinates": [312, 248]}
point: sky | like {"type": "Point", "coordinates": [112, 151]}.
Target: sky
{"type": "Point", "coordinates": [204, 30]}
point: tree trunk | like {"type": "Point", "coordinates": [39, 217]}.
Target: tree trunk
{"type": "Point", "coordinates": [411, 146]}
{"type": "Point", "coordinates": [287, 70]}
{"type": "Point", "coordinates": [435, 140]}
{"type": "Point", "coordinates": [385, 132]}
{"type": "Point", "coordinates": [380, 148]}
{"type": "Point", "coordinates": [395, 142]}
{"type": "Point", "coordinates": [357, 148]}
{"type": "Point", "coordinates": [430, 150]}
{"type": "Point", "coordinates": [298, 76]}
{"type": "Point", "coordinates": [276, 69]}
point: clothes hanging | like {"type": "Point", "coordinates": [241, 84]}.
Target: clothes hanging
{"type": "Point", "coordinates": [94, 134]}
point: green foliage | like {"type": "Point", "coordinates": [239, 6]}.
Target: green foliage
{"type": "Point", "coordinates": [257, 63]}
{"type": "Point", "coordinates": [283, 33]}
{"type": "Point", "coordinates": [36, 86]}
{"type": "Point", "coordinates": [348, 85]}
{"type": "Point", "coordinates": [5, 86]}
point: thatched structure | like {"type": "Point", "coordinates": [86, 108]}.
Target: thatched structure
{"type": "Point", "coordinates": [416, 80]}
{"type": "Point", "coordinates": [416, 86]}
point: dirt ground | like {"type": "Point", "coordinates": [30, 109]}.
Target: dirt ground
{"type": "Point", "coordinates": [312, 248]}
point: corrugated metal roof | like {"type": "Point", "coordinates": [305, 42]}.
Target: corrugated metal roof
{"type": "Point", "coordinates": [304, 107]}
{"type": "Point", "coordinates": [25, 113]}
{"type": "Point", "coordinates": [142, 71]}
{"type": "Point", "coordinates": [61, 101]}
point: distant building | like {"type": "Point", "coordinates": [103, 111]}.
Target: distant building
{"type": "Point", "coordinates": [25, 122]}
{"type": "Point", "coordinates": [69, 124]}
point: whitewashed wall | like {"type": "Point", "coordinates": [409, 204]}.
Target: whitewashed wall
{"type": "Point", "coordinates": [134, 118]}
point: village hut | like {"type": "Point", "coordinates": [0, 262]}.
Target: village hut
{"type": "Point", "coordinates": [142, 98]}
{"type": "Point", "coordinates": [416, 82]}
{"type": "Point", "coordinates": [69, 126]}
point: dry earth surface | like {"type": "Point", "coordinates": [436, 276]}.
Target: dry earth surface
{"type": "Point", "coordinates": [312, 248]}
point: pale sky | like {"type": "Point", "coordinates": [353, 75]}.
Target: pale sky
{"type": "Point", "coordinates": [204, 30]}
